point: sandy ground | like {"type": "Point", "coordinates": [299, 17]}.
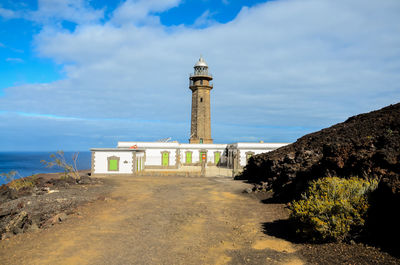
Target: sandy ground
{"type": "Point", "coordinates": [160, 220]}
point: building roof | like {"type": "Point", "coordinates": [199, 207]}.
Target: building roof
{"type": "Point", "coordinates": [256, 145]}
{"type": "Point", "coordinates": [173, 145]}
{"type": "Point", "coordinates": [118, 149]}
{"type": "Point", "coordinates": [201, 62]}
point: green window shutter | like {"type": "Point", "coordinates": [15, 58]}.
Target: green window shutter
{"type": "Point", "coordinates": [217, 157]}
{"type": "Point", "coordinates": [188, 158]}
{"type": "Point", "coordinates": [113, 166]}
{"type": "Point", "coordinates": [165, 159]}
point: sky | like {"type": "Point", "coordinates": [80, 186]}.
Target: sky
{"type": "Point", "coordinates": [77, 74]}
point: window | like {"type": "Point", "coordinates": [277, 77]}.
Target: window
{"type": "Point", "coordinates": [249, 155]}
{"type": "Point", "coordinates": [201, 99]}
{"type": "Point", "coordinates": [201, 82]}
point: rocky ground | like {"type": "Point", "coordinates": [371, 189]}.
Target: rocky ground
{"type": "Point", "coordinates": [163, 220]}
{"type": "Point", "coordinates": [48, 201]}
{"type": "Point", "coordinates": [366, 145]}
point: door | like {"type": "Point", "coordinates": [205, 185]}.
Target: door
{"type": "Point", "coordinates": [188, 157]}
{"type": "Point", "coordinates": [217, 156]}
{"type": "Point", "coordinates": [203, 156]}
{"type": "Point", "coordinates": [165, 159]}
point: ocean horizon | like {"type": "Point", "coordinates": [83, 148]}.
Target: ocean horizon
{"type": "Point", "coordinates": [28, 163]}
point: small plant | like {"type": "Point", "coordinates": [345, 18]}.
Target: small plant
{"type": "Point", "coordinates": [10, 176]}
{"type": "Point", "coordinates": [17, 182]}
{"type": "Point", "coordinates": [332, 209]}
{"type": "Point", "coordinates": [59, 160]}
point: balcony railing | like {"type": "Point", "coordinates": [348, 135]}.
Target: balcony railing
{"type": "Point", "coordinates": [191, 83]}
{"type": "Point", "coordinates": [200, 74]}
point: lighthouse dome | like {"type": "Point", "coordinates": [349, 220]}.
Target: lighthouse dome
{"type": "Point", "coordinates": [201, 62]}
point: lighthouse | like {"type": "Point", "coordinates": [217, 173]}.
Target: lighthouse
{"type": "Point", "coordinates": [200, 132]}
{"type": "Point", "coordinates": [133, 156]}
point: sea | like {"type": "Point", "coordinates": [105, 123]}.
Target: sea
{"type": "Point", "coordinates": [28, 163]}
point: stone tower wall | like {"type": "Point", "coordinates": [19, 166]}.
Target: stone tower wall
{"type": "Point", "coordinates": [201, 117]}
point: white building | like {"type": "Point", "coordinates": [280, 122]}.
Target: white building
{"type": "Point", "coordinates": [134, 157]}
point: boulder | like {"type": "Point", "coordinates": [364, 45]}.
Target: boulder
{"type": "Point", "coordinates": [58, 218]}
{"type": "Point", "coordinates": [17, 223]}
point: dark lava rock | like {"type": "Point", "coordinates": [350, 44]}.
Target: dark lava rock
{"type": "Point", "coordinates": [85, 179]}
{"type": "Point", "coordinates": [366, 145]}
{"type": "Point", "coordinates": [7, 194]}
{"type": "Point", "coordinates": [48, 202]}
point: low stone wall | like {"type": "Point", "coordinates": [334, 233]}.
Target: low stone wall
{"type": "Point", "coordinates": [189, 171]}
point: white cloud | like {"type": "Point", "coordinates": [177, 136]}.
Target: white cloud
{"type": "Point", "coordinates": [8, 13]}
{"type": "Point", "coordinates": [78, 11]}
{"type": "Point", "coordinates": [141, 11]}
{"type": "Point", "coordinates": [50, 12]}
{"type": "Point", "coordinates": [14, 60]}
{"type": "Point", "coordinates": [281, 69]}
{"type": "Point", "coordinates": [205, 20]}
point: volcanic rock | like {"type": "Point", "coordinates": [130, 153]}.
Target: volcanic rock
{"type": "Point", "coordinates": [366, 145]}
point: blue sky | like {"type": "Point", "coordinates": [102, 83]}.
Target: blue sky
{"type": "Point", "coordinates": [76, 74]}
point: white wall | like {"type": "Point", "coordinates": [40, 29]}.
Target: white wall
{"type": "Point", "coordinates": [148, 144]}
{"type": "Point", "coordinates": [196, 154]}
{"type": "Point", "coordinates": [139, 161]}
{"type": "Point", "coordinates": [154, 157]}
{"type": "Point", "coordinates": [243, 160]}
{"type": "Point", "coordinates": [265, 146]}
{"type": "Point", "coordinates": [256, 148]}
{"type": "Point", "coordinates": [101, 162]}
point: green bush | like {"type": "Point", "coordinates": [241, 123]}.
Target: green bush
{"type": "Point", "coordinates": [332, 209]}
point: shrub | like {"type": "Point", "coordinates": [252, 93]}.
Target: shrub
{"type": "Point", "coordinates": [58, 160]}
{"type": "Point", "coordinates": [17, 182]}
{"type": "Point", "coordinates": [27, 182]}
{"type": "Point", "coordinates": [332, 209]}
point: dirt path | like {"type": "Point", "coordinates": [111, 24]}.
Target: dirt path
{"type": "Point", "coordinates": [160, 220]}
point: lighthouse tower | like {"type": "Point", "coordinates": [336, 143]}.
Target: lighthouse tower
{"type": "Point", "coordinates": [201, 119]}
